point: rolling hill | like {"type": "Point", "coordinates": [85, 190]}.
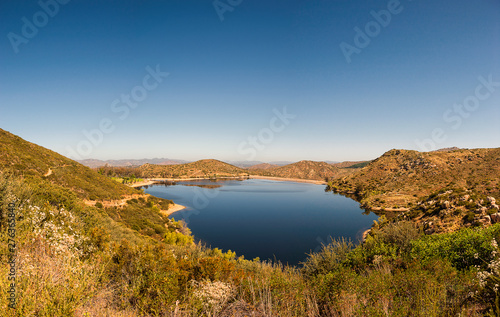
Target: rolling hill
{"type": "Point", "coordinates": [304, 170]}
{"type": "Point", "coordinates": [124, 211]}
{"type": "Point", "coordinates": [199, 169]}
{"type": "Point", "coordinates": [32, 161]}
{"type": "Point", "coordinates": [446, 188]}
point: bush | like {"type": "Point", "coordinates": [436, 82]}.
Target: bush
{"type": "Point", "coordinates": [392, 242]}
{"type": "Point", "coordinates": [328, 259]}
{"type": "Point", "coordinates": [177, 238]}
{"type": "Point", "coordinates": [464, 249]}
{"type": "Point", "coordinates": [469, 217]}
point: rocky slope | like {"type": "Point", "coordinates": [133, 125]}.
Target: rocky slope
{"type": "Point", "coordinates": [306, 170]}
{"type": "Point", "coordinates": [441, 190]}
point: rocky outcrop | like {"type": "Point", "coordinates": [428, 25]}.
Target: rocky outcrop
{"type": "Point", "coordinates": [495, 217]}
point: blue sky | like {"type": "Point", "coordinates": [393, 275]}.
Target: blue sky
{"type": "Point", "coordinates": [404, 87]}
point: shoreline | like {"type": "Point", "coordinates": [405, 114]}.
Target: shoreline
{"type": "Point", "coordinates": [173, 209]}
{"type": "Point", "coordinates": [285, 179]}
{"type": "Point", "coordinates": [154, 181]}
{"type": "Point", "coordinates": [140, 184]}
{"type": "Point", "coordinates": [365, 234]}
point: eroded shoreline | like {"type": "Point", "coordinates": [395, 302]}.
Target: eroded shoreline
{"type": "Point", "coordinates": [281, 179]}
{"type": "Point", "coordinates": [284, 179]}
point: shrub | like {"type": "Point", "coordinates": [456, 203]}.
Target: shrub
{"type": "Point", "coordinates": [177, 238]}
{"type": "Point", "coordinates": [328, 259]}
{"type": "Point", "coordinates": [464, 248]}
{"type": "Point", "coordinates": [469, 217]}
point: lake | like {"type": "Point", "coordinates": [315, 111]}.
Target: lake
{"type": "Point", "coordinates": [264, 218]}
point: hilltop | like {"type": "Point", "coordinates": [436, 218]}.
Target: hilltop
{"type": "Point", "coordinates": [350, 164]}
{"type": "Point", "coordinates": [305, 170]}
{"type": "Point", "coordinates": [35, 162]}
{"type": "Point", "coordinates": [448, 188]}
{"type": "Point", "coordinates": [208, 168]}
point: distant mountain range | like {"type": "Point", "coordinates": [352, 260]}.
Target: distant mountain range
{"type": "Point", "coordinates": [263, 166]}
{"type": "Point", "coordinates": [93, 163]}
{"type": "Point", "coordinates": [248, 164]}
{"type": "Point", "coordinates": [130, 162]}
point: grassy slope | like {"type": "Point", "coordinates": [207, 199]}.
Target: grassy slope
{"type": "Point", "coordinates": [33, 161]}
{"type": "Point", "coordinates": [70, 183]}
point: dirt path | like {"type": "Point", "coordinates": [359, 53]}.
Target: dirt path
{"type": "Point", "coordinates": [115, 203]}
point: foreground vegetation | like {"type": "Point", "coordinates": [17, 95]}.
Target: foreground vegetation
{"type": "Point", "coordinates": [74, 259]}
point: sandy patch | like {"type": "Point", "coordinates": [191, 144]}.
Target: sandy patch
{"type": "Point", "coordinates": [145, 183]}
{"type": "Point", "coordinates": [173, 208]}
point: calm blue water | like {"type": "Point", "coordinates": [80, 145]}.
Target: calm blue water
{"type": "Point", "coordinates": [266, 219]}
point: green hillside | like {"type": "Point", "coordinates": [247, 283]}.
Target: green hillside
{"type": "Point", "coordinates": [34, 162]}
{"type": "Point", "coordinates": [65, 183]}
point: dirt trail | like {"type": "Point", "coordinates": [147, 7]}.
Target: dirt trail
{"type": "Point", "coordinates": [115, 203]}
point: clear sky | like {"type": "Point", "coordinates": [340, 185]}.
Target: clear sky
{"type": "Point", "coordinates": [354, 78]}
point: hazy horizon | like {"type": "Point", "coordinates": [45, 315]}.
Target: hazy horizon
{"type": "Point", "coordinates": [242, 161]}
{"type": "Point", "coordinates": [245, 80]}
